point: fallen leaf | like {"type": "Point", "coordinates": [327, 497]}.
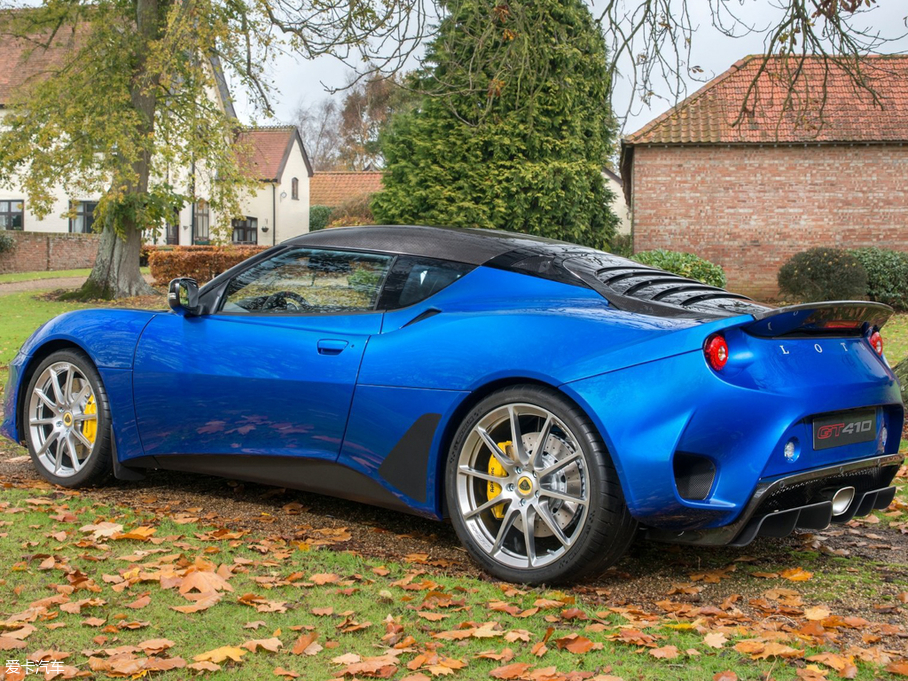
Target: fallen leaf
{"type": "Point", "coordinates": [900, 668]}
{"type": "Point", "coordinates": [505, 655]}
{"type": "Point", "coordinates": [306, 645]}
{"type": "Point", "coordinates": [816, 614]}
{"type": "Point", "coordinates": [715, 640]}
{"type": "Point", "coordinates": [104, 529]}
{"type": "Point", "coordinates": [204, 582]}
{"type": "Point", "coordinates": [139, 534]}
{"type": "Point", "coordinates": [510, 671]}
{"type": "Point", "coordinates": [199, 605]}
{"type": "Point", "coordinates": [843, 665]}
{"type": "Point", "coordinates": [665, 652]}
{"type": "Point", "coordinates": [574, 643]}
{"type": "Point", "coordinates": [272, 645]}
{"type": "Point", "coordinates": [156, 645]}
{"type": "Point", "coordinates": [796, 574]}
{"type": "Point", "coordinates": [204, 666]}
{"type": "Point", "coordinates": [139, 603]}
{"type": "Point", "coordinates": [221, 654]}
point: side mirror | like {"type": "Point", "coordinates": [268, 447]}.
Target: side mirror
{"type": "Point", "coordinates": [183, 296]}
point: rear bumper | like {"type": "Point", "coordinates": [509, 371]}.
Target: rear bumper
{"type": "Point", "coordinates": [802, 500]}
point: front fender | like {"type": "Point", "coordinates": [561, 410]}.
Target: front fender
{"type": "Point", "coordinates": [107, 336]}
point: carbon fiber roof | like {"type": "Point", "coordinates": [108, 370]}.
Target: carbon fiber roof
{"type": "Point", "coordinates": [470, 246]}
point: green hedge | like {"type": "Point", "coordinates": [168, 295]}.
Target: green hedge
{"type": "Point", "coordinates": [823, 274]}
{"type": "Point", "coordinates": [685, 264]}
{"type": "Point", "coordinates": [887, 275]}
{"type": "Point", "coordinates": [7, 243]}
{"type": "Point", "coordinates": [319, 217]}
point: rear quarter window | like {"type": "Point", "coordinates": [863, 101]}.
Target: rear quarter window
{"type": "Point", "coordinates": [414, 279]}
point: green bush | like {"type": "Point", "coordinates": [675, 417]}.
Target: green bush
{"type": "Point", "coordinates": [352, 212]}
{"type": "Point", "coordinates": [684, 264]}
{"type": "Point", "coordinates": [623, 245]}
{"type": "Point", "coordinates": [887, 275]}
{"type": "Point", "coordinates": [823, 274]}
{"type": "Point", "coordinates": [7, 243]}
{"type": "Point", "coordinates": [319, 217]}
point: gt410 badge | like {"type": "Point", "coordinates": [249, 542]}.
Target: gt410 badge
{"type": "Point", "coordinates": [844, 429]}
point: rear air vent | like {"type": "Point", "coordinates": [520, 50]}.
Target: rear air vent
{"type": "Point", "coordinates": [647, 283]}
{"type": "Point", "coordinates": [630, 286]}
{"type": "Point", "coordinates": [694, 475]}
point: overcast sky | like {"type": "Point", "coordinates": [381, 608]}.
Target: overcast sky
{"type": "Point", "coordinates": [306, 81]}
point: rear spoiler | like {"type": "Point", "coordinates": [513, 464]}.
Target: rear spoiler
{"type": "Point", "coordinates": [839, 318]}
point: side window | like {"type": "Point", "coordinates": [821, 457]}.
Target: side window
{"type": "Point", "coordinates": [308, 280]}
{"type": "Point", "coordinates": [414, 279]}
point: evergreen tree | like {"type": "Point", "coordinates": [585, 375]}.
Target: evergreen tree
{"type": "Point", "coordinates": [513, 129]}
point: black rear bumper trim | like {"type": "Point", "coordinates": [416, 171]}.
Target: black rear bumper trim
{"type": "Point", "coordinates": [781, 522]}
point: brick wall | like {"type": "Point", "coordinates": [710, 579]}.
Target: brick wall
{"type": "Point", "coordinates": [38, 251]}
{"type": "Point", "coordinates": [750, 208]}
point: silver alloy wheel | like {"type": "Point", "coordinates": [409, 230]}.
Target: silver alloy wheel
{"type": "Point", "coordinates": [543, 497]}
{"type": "Point", "coordinates": [61, 404]}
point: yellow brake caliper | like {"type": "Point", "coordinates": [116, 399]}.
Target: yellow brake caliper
{"type": "Point", "coordinates": [493, 488]}
{"type": "Point", "coordinates": [90, 427]}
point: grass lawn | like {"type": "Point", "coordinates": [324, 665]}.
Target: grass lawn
{"type": "Point", "coordinates": [53, 274]}
{"type": "Point", "coordinates": [895, 338]}
{"type": "Point", "coordinates": [113, 589]}
{"type": "Point", "coordinates": [21, 314]}
{"type": "Point", "coordinates": [146, 589]}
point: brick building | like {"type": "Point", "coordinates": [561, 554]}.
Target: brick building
{"type": "Point", "coordinates": [334, 187]}
{"type": "Point", "coordinates": [747, 187]}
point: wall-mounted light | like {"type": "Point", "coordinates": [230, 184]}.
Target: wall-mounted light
{"type": "Point", "coordinates": [283, 195]}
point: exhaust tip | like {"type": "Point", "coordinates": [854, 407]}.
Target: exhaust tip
{"type": "Point", "coordinates": [841, 500]}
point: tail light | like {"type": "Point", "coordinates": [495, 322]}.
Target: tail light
{"type": "Point", "coordinates": [716, 351]}
{"type": "Point", "coordinates": [876, 342]}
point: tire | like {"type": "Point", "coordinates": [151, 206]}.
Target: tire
{"type": "Point", "coordinates": [66, 421]}
{"type": "Point", "coordinates": [567, 492]}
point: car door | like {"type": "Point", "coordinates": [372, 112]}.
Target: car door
{"type": "Point", "coordinates": [272, 370]}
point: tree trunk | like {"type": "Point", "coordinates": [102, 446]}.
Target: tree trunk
{"type": "Point", "coordinates": [116, 271]}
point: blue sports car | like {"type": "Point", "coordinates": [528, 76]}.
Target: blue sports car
{"type": "Point", "coordinates": [551, 399]}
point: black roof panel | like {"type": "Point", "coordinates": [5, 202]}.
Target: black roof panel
{"type": "Point", "coordinates": [470, 246]}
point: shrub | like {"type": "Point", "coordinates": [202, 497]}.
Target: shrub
{"type": "Point", "coordinates": [319, 217]}
{"type": "Point", "coordinates": [355, 211]}
{"type": "Point", "coordinates": [202, 263]}
{"type": "Point", "coordinates": [684, 264]}
{"type": "Point", "coordinates": [887, 275]}
{"type": "Point", "coordinates": [823, 274]}
{"type": "Point", "coordinates": [7, 243]}
{"type": "Point", "coordinates": [623, 245]}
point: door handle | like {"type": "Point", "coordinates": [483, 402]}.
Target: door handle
{"type": "Point", "coordinates": [330, 346]}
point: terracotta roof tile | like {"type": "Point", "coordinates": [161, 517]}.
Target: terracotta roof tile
{"type": "Point", "coordinates": [269, 148]}
{"type": "Point", "coordinates": [24, 61]}
{"type": "Point", "coordinates": [849, 114]}
{"type": "Point", "coordinates": [332, 188]}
